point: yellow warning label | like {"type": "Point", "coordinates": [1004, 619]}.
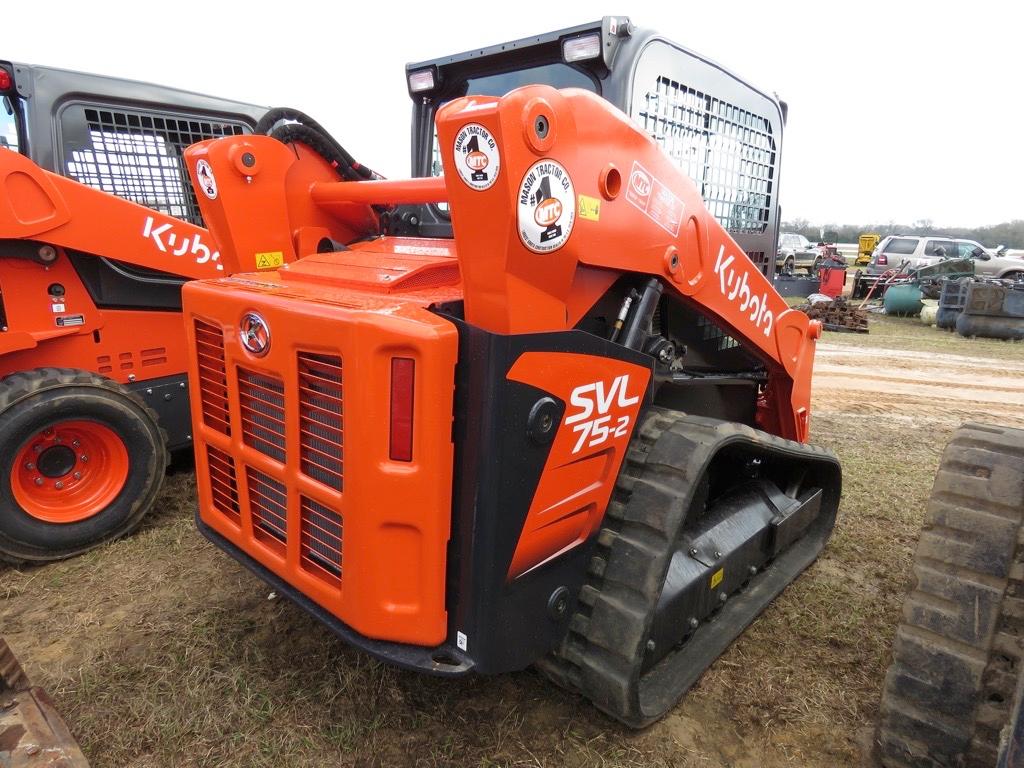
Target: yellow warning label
{"type": "Point", "coordinates": [269, 260]}
{"type": "Point", "coordinates": [716, 577]}
{"type": "Point", "coordinates": [590, 208]}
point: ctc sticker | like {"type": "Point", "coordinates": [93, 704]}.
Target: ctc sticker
{"type": "Point", "coordinates": [476, 157]}
{"type": "Point", "coordinates": [547, 207]}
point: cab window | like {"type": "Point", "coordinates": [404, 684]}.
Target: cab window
{"type": "Point", "coordinates": [8, 125]}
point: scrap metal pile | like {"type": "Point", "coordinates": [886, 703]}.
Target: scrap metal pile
{"type": "Point", "coordinates": [837, 315]}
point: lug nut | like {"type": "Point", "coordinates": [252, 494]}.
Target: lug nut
{"type": "Point", "coordinates": [752, 570]}
{"type": "Point", "coordinates": [58, 485]}
{"type": "Point", "coordinates": [77, 475]}
{"type": "Point", "coordinates": [694, 623]}
{"type": "Point", "coordinates": [650, 646]}
{"type": "Point", "coordinates": [722, 597]}
{"type": "Point", "coordinates": [39, 481]}
{"type": "Point", "coordinates": [693, 552]}
{"type": "Point", "coordinates": [37, 448]}
{"type": "Point", "coordinates": [717, 554]}
{"type": "Point", "coordinates": [75, 443]}
{"type": "Point", "coordinates": [30, 466]}
{"type": "Point", "coordinates": [83, 457]}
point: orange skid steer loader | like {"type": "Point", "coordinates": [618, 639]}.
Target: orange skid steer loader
{"type": "Point", "coordinates": [572, 434]}
{"type": "Point", "coordinates": [93, 254]}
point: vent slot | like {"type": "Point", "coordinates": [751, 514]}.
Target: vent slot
{"type": "Point", "coordinates": [268, 502]}
{"type": "Point", "coordinates": [223, 484]}
{"type": "Point", "coordinates": [320, 549]}
{"type": "Point", "coordinates": [320, 419]}
{"type": "Point", "coordinates": [213, 377]}
{"type": "Point", "coordinates": [261, 398]}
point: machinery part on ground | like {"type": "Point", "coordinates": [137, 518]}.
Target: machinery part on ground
{"type": "Point", "coordinates": [418, 440]}
{"type": "Point", "coordinates": [993, 310]}
{"type": "Point", "coordinates": [903, 300]}
{"type": "Point", "coordinates": [32, 733]}
{"type": "Point", "coordinates": [646, 625]}
{"type": "Point", "coordinates": [81, 462]}
{"type": "Point", "coordinates": [866, 245]}
{"type": "Point", "coordinates": [837, 315]}
{"type": "Point", "coordinates": [958, 658]}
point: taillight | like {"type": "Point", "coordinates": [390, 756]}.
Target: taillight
{"type": "Point", "coordinates": [5, 80]}
{"type": "Point", "coordinates": [882, 259]}
{"type": "Point", "coordinates": [403, 378]}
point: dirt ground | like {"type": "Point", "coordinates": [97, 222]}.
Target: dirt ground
{"type": "Point", "coordinates": [161, 651]}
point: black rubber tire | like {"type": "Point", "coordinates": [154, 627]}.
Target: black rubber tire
{"type": "Point", "coordinates": [958, 656]}
{"type": "Point", "coordinates": [813, 269]}
{"type": "Point", "coordinates": [32, 400]}
{"type": "Point", "coordinates": [788, 266]}
{"type": "Point", "coordinates": [1017, 274]}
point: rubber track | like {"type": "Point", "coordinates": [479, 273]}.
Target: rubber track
{"type": "Point", "coordinates": [23, 384]}
{"type": "Point", "coordinates": [602, 654]}
{"type": "Point", "coordinates": [959, 650]}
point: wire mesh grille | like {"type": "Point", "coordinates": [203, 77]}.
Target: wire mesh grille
{"type": "Point", "coordinates": [320, 549]}
{"type": "Point", "coordinates": [268, 504]}
{"type": "Point", "coordinates": [213, 381]}
{"type": "Point", "coordinates": [729, 152]}
{"type": "Point", "coordinates": [223, 484]}
{"type": "Point", "coordinates": [320, 418]}
{"type": "Point", "coordinates": [137, 155]}
{"type": "Point", "coordinates": [261, 401]}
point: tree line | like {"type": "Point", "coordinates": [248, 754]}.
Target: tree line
{"type": "Point", "coordinates": [1009, 233]}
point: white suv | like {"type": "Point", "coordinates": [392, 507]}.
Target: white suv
{"type": "Point", "coordinates": [918, 251]}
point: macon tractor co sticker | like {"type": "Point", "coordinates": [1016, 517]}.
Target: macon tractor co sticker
{"type": "Point", "coordinates": [207, 182]}
{"type": "Point", "coordinates": [547, 207]}
{"type": "Point", "coordinates": [476, 157]}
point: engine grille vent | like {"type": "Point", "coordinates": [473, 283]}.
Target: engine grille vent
{"type": "Point", "coordinates": [223, 484]}
{"type": "Point", "coordinates": [261, 398]}
{"type": "Point", "coordinates": [320, 418]}
{"type": "Point", "coordinates": [320, 549]}
{"type": "Point", "coordinates": [213, 381]}
{"type": "Point", "coordinates": [268, 500]}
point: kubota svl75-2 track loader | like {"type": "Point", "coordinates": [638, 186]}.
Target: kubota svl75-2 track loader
{"type": "Point", "coordinates": [99, 228]}
{"type": "Point", "coordinates": [482, 452]}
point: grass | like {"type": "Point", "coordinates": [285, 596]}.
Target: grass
{"type": "Point", "coordinates": [161, 651]}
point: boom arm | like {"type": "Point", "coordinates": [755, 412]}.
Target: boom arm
{"type": "Point", "coordinates": [553, 196]}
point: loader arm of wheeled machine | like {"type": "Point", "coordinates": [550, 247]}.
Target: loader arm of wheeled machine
{"type": "Point", "coordinates": [535, 437]}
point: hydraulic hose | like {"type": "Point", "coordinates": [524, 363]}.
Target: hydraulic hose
{"type": "Point", "coordinates": [288, 125]}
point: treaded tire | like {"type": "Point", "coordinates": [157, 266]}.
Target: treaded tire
{"type": "Point", "coordinates": [30, 401]}
{"type": "Point", "coordinates": [959, 651]}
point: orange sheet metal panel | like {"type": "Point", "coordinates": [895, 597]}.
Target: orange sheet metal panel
{"type": "Point", "coordinates": [300, 475]}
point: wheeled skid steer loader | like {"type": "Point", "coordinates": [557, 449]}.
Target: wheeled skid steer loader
{"type": "Point", "coordinates": [572, 435]}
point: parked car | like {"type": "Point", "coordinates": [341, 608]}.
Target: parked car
{"type": "Point", "coordinates": [915, 250]}
{"type": "Point", "coordinates": [997, 262]}
{"type": "Point", "coordinates": [796, 251]}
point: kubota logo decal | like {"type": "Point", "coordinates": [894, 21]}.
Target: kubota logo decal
{"type": "Point", "coordinates": [477, 159]}
{"type": "Point", "coordinates": [164, 237]}
{"type": "Point", "coordinates": [595, 422]}
{"type": "Point", "coordinates": [735, 288]}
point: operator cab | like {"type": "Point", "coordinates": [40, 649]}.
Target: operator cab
{"type": "Point", "coordinates": [724, 134]}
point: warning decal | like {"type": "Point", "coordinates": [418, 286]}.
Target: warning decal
{"type": "Point", "coordinates": [476, 156]}
{"type": "Point", "coordinates": [547, 207]}
{"type": "Point", "coordinates": [206, 180]}
{"type": "Point", "coordinates": [590, 208]}
{"type": "Point", "coordinates": [269, 260]}
{"type": "Point", "coordinates": [655, 199]}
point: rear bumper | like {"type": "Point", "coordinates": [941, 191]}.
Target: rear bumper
{"type": "Point", "coordinates": [445, 660]}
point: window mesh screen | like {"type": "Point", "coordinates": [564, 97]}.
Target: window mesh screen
{"type": "Point", "coordinates": [729, 152]}
{"type": "Point", "coordinates": [137, 155]}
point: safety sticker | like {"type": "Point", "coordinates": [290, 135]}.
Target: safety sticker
{"type": "Point", "coordinates": [716, 577]}
{"type": "Point", "coordinates": [656, 200]}
{"type": "Point", "coordinates": [269, 260]}
{"type": "Point", "coordinates": [462, 641]}
{"type": "Point", "coordinates": [58, 308]}
{"type": "Point", "coordinates": [590, 208]}
{"type": "Point", "coordinates": [476, 156]}
{"type": "Point", "coordinates": [547, 207]}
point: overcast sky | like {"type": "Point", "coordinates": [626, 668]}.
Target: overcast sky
{"type": "Point", "coordinates": [899, 111]}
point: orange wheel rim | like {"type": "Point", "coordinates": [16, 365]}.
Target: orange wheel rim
{"type": "Point", "coordinates": [69, 471]}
